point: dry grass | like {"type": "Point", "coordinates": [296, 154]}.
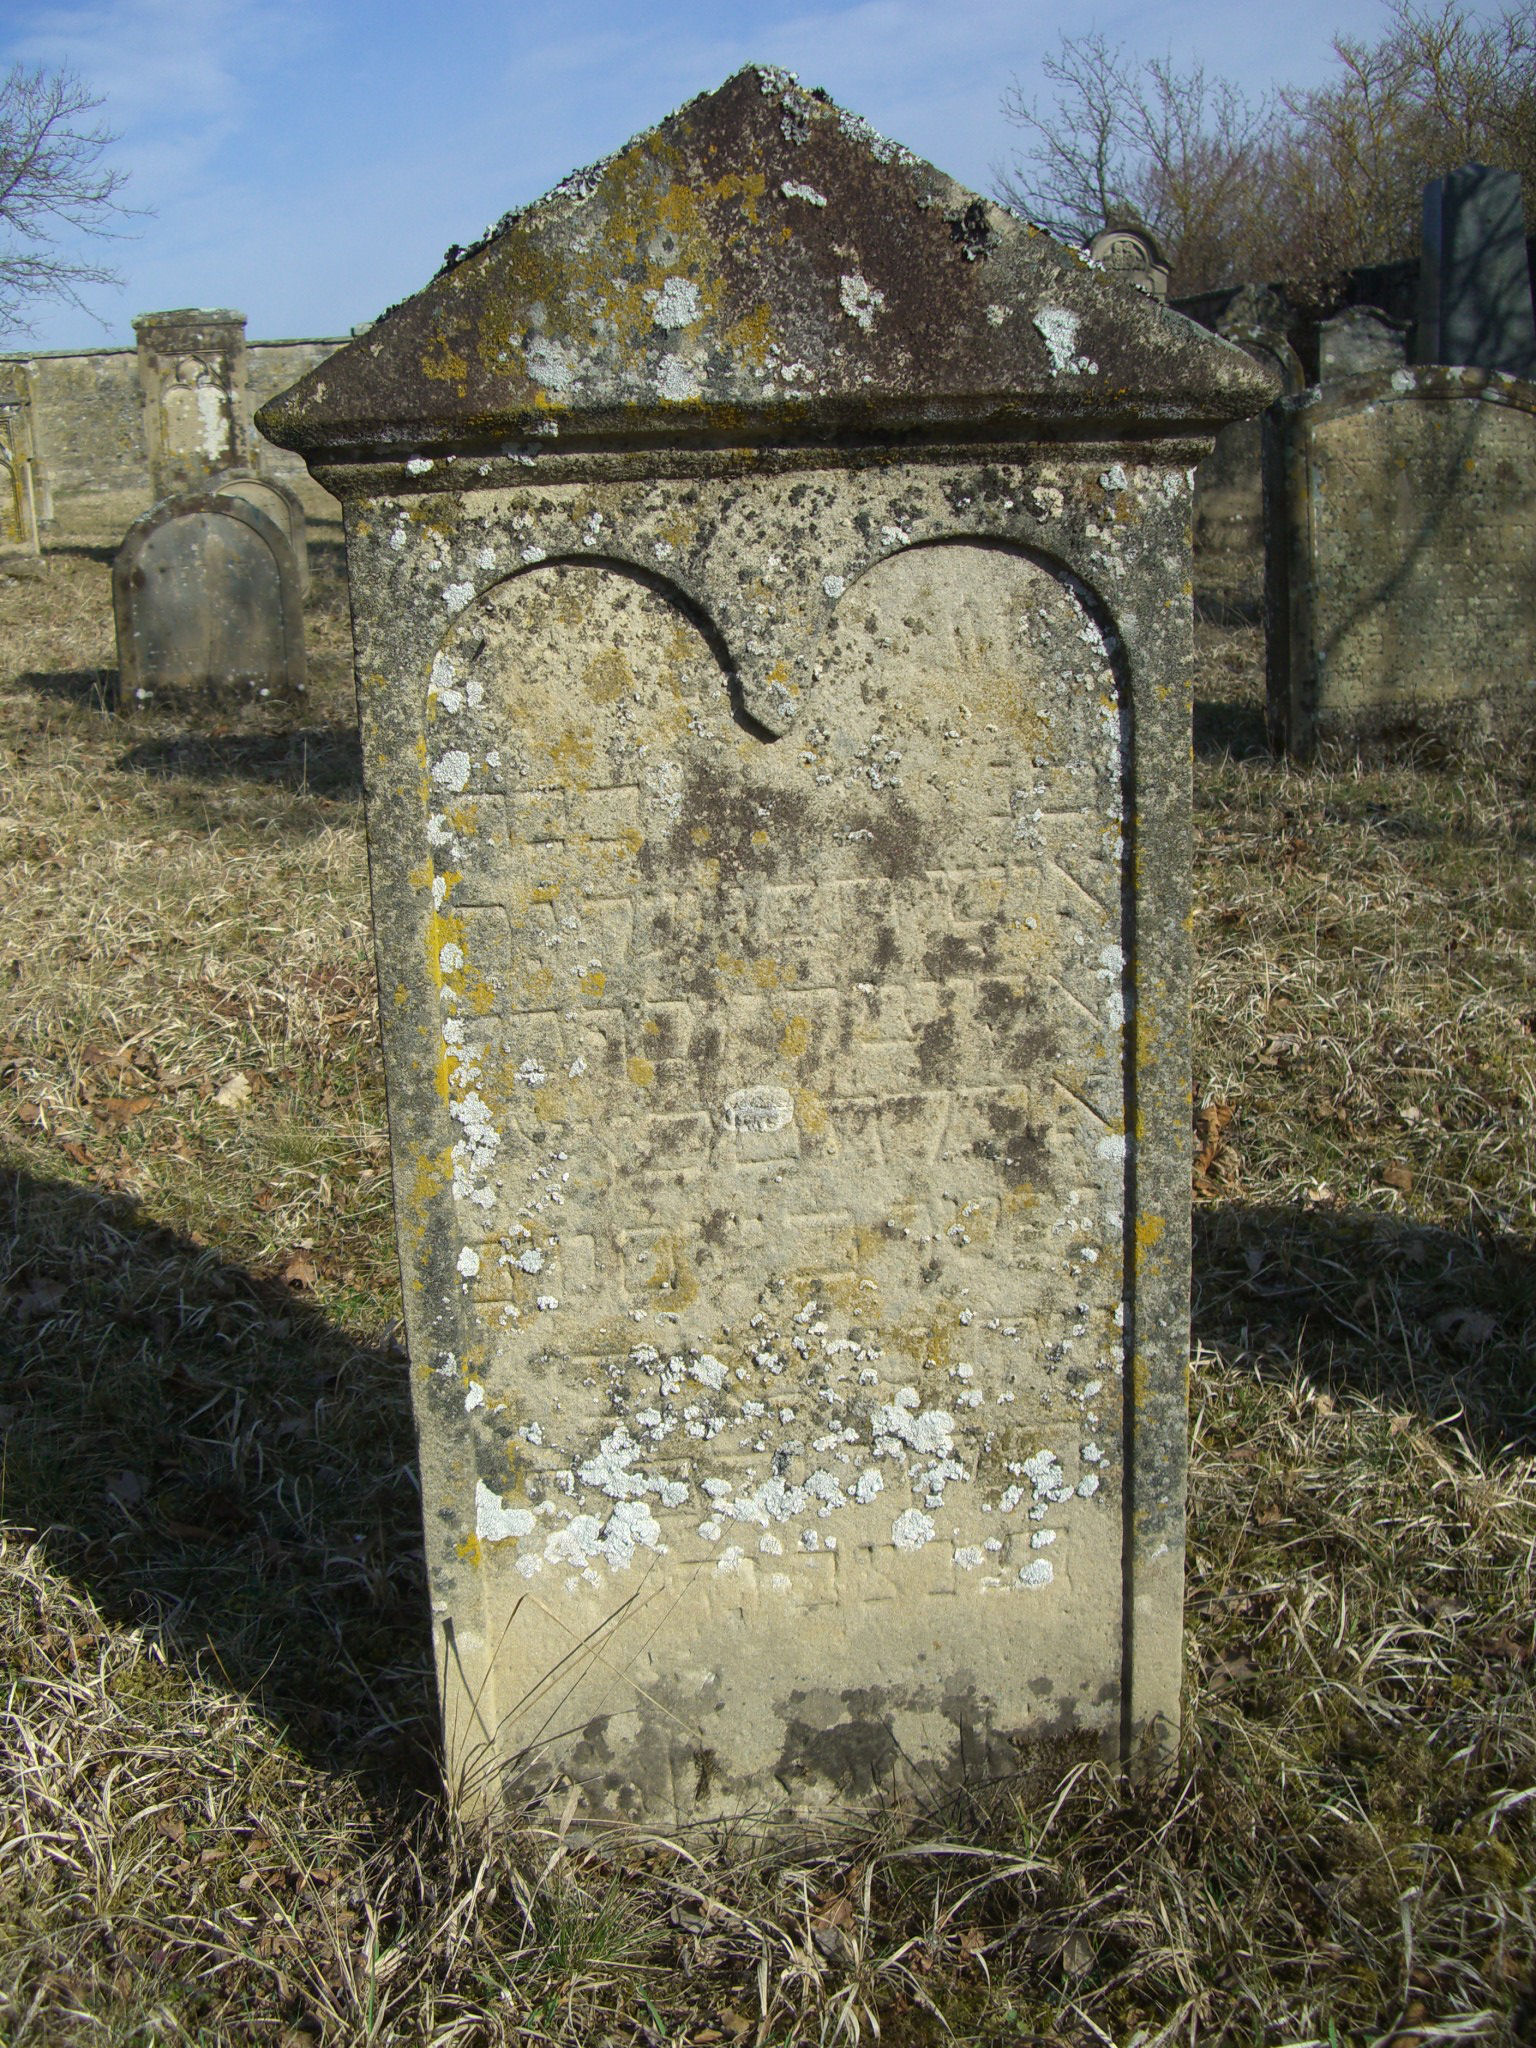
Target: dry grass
{"type": "Point", "coordinates": [215, 1747]}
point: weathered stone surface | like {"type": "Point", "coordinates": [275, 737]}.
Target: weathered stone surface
{"type": "Point", "coordinates": [1401, 556]}
{"type": "Point", "coordinates": [206, 599]}
{"type": "Point", "coordinates": [1357, 342]}
{"type": "Point", "coordinates": [192, 375]}
{"type": "Point", "coordinates": [18, 487]}
{"type": "Point", "coordinates": [1474, 277]}
{"type": "Point", "coordinates": [282, 505]}
{"type": "Point", "coordinates": [778, 813]}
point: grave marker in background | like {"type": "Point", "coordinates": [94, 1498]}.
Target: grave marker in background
{"type": "Point", "coordinates": [206, 599]}
{"type": "Point", "coordinates": [1358, 341]}
{"type": "Point", "coordinates": [282, 506]}
{"type": "Point", "coordinates": [18, 494]}
{"type": "Point", "coordinates": [769, 567]}
{"type": "Point", "coordinates": [1474, 274]}
{"type": "Point", "coordinates": [192, 371]}
{"type": "Point", "coordinates": [1401, 557]}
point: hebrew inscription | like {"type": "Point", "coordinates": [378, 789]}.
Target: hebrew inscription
{"type": "Point", "coordinates": [782, 1103]}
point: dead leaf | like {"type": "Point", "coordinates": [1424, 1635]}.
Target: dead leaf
{"type": "Point", "coordinates": [1210, 1127]}
{"type": "Point", "coordinates": [1398, 1176]}
{"type": "Point", "coordinates": [73, 1149]}
{"type": "Point", "coordinates": [127, 1489]}
{"type": "Point", "coordinates": [1399, 1425]}
{"type": "Point", "coordinates": [30, 1112]}
{"type": "Point", "coordinates": [118, 1110]}
{"type": "Point", "coordinates": [40, 1299]}
{"type": "Point", "coordinates": [299, 1272]}
{"type": "Point", "coordinates": [1466, 1327]}
{"type": "Point", "coordinates": [235, 1093]}
{"type": "Point", "coordinates": [1324, 1404]}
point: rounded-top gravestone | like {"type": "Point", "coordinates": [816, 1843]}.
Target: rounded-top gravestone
{"type": "Point", "coordinates": [206, 598]}
{"type": "Point", "coordinates": [280, 502]}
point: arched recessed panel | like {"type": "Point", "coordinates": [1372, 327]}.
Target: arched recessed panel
{"type": "Point", "coordinates": [783, 1090]}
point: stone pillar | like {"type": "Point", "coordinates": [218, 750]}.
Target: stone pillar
{"type": "Point", "coordinates": [18, 468]}
{"type": "Point", "coordinates": [192, 372]}
{"type": "Point", "coordinates": [1474, 274]}
{"type": "Point", "coordinates": [770, 572]}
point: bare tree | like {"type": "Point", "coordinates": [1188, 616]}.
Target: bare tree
{"type": "Point", "coordinates": [54, 187]}
{"type": "Point", "coordinates": [1301, 185]}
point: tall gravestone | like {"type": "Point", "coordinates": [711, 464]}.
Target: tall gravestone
{"type": "Point", "coordinates": [205, 594]}
{"type": "Point", "coordinates": [192, 373]}
{"type": "Point", "coordinates": [1474, 274]}
{"type": "Point", "coordinates": [770, 570]}
{"type": "Point", "coordinates": [1401, 557]}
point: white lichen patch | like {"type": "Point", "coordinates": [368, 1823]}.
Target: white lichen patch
{"type": "Point", "coordinates": [1057, 328]}
{"type": "Point", "coordinates": [1037, 1573]}
{"type": "Point", "coordinates": [676, 304]}
{"type": "Point", "coordinates": [911, 1530]}
{"type": "Point", "coordinates": [859, 299]}
{"type": "Point", "coordinates": [493, 1522]}
{"type": "Point", "coordinates": [793, 189]}
{"type": "Point", "coordinates": [452, 771]}
{"type": "Point", "coordinates": [677, 380]}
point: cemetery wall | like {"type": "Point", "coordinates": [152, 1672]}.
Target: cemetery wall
{"type": "Point", "coordinates": [92, 455]}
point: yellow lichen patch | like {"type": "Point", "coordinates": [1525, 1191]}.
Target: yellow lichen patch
{"type": "Point", "coordinates": [767, 973]}
{"type": "Point", "coordinates": [810, 1112]}
{"type": "Point", "coordinates": [640, 1071]}
{"type": "Point", "coordinates": [608, 676]}
{"type": "Point", "coordinates": [469, 1550]}
{"type": "Point", "coordinates": [651, 1028]}
{"type": "Point", "coordinates": [593, 983]}
{"type": "Point", "coordinates": [671, 1275]}
{"type": "Point", "coordinates": [795, 1038]}
{"type": "Point", "coordinates": [1149, 1232]}
{"type": "Point", "coordinates": [731, 964]}
{"type": "Point", "coordinates": [699, 835]}
{"type": "Point", "coordinates": [444, 364]}
{"type": "Point", "coordinates": [759, 837]}
{"type": "Point", "coordinates": [574, 758]}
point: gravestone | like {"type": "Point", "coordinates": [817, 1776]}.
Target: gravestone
{"type": "Point", "coordinates": [1357, 341]}
{"type": "Point", "coordinates": [1229, 492]}
{"type": "Point", "coordinates": [1131, 255]}
{"type": "Point", "coordinates": [1474, 274]}
{"type": "Point", "coordinates": [206, 599]}
{"type": "Point", "coordinates": [192, 373]}
{"type": "Point", "coordinates": [18, 491]}
{"type": "Point", "coordinates": [282, 505]}
{"type": "Point", "coordinates": [1401, 549]}
{"type": "Point", "coordinates": [769, 568]}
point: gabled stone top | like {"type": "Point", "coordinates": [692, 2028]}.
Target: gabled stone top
{"type": "Point", "coordinates": [761, 266]}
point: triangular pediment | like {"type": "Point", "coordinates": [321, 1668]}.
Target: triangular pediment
{"type": "Point", "coordinates": [763, 264]}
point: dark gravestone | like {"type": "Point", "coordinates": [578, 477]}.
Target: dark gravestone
{"type": "Point", "coordinates": [1357, 342]}
{"type": "Point", "coordinates": [206, 597]}
{"type": "Point", "coordinates": [1474, 275]}
{"type": "Point", "coordinates": [282, 505]}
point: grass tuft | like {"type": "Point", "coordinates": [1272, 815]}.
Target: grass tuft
{"type": "Point", "coordinates": [217, 1759]}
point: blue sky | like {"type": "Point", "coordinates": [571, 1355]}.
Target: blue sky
{"type": "Point", "coordinates": [308, 161]}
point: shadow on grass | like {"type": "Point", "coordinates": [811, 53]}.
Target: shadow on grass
{"type": "Point", "coordinates": [323, 760]}
{"type": "Point", "coordinates": [95, 689]}
{"type": "Point", "coordinates": [1426, 1319]}
{"type": "Point", "coordinates": [1230, 731]}
{"type": "Point", "coordinates": [208, 1454]}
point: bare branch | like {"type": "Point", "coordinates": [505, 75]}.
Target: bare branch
{"type": "Point", "coordinates": [54, 187]}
